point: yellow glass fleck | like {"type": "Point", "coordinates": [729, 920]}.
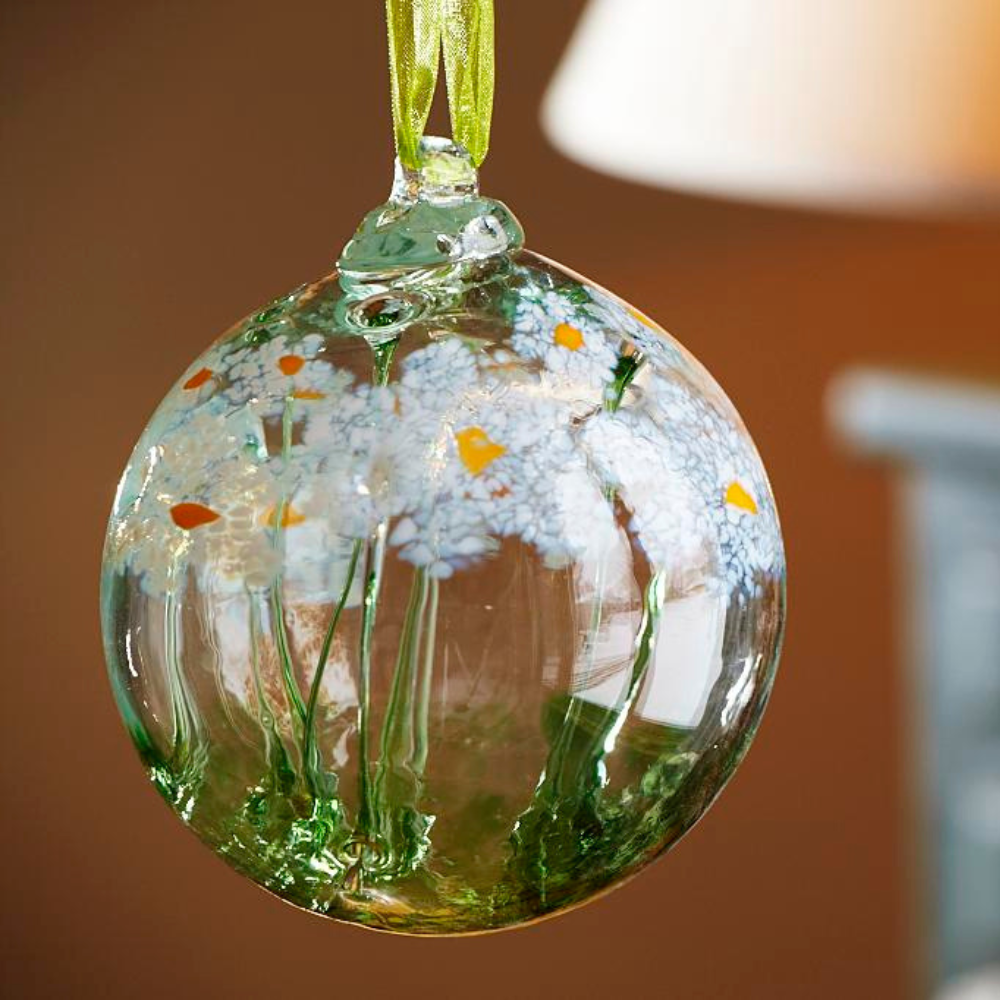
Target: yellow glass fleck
{"type": "Point", "coordinates": [568, 336]}
{"type": "Point", "coordinates": [642, 318]}
{"type": "Point", "coordinates": [476, 449]}
{"type": "Point", "coordinates": [738, 497]}
{"type": "Point", "coordinates": [289, 517]}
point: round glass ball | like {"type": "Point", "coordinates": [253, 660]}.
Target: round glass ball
{"type": "Point", "coordinates": [441, 598]}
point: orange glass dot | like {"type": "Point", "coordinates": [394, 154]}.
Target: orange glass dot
{"type": "Point", "coordinates": [200, 377]}
{"type": "Point", "coordinates": [192, 515]}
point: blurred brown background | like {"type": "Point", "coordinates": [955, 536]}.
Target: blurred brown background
{"type": "Point", "coordinates": [166, 167]}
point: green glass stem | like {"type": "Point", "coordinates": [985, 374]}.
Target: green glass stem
{"type": "Point", "coordinates": [312, 762]}
{"type": "Point", "coordinates": [557, 757]}
{"type": "Point", "coordinates": [603, 740]}
{"type": "Point", "coordinates": [209, 638]}
{"type": "Point", "coordinates": [282, 774]}
{"type": "Point", "coordinates": [374, 559]}
{"type": "Point", "coordinates": [382, 355]}
{"type": "Point", "coordinates": [397, 731]}
{"type": "Point", "coordinates": [421, 736]}
{"type": "Point", "coordinates": [185, 718]}
{"type": "Point", "coordinates": [188, 753]}
{"type": "Point", "coordinates": [367, 821]}
{"type": "Point", "coordinates": [556, 834]}
{"type": "Point", "coordinates": [295, 703]}
{"type": "Point", "coordinates": [625, 371]}
{"type": "Point", "coordinates": [398, 782]}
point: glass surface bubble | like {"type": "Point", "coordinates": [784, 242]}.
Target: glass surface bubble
{"type": "Point", "coordinates": [444, 592]}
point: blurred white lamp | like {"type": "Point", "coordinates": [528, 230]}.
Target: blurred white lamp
{"type": "Point", "coordinates": [888, 104]}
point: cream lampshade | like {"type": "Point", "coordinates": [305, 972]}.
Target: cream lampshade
{"type": "Point", "coordinates": [889, 104]}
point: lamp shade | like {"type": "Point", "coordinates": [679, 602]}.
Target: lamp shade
{"type": "Point", "coordinates": [859, 103]}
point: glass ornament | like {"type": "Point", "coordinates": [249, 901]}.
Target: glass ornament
{"type": "Point", "coordinates": [444, 592]}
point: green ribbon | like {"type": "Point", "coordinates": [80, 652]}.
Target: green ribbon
{"type": "Point", "coordinates": [418, 30]}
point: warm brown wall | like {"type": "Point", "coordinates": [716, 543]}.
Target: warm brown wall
{"type": "Point", "coordinates": [165, 167]}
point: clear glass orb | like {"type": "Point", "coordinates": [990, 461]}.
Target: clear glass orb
{"type": "Point", "coordinates": [447, 591]}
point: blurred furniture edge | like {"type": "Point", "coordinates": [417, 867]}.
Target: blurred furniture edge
{"type": "Point", "coordinates": [946, 435]}
{"type": "Point", "coordinates": [983, 984]}
{"type": "Point", "coordinates": [888, 106]}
